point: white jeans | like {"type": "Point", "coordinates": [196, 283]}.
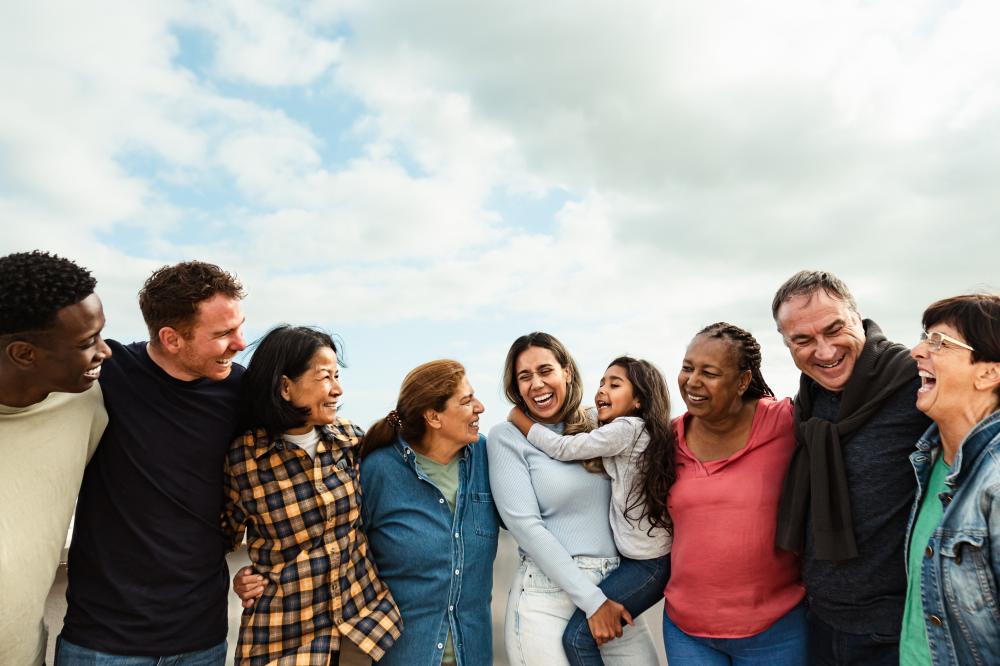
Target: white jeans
{"type": "Point", "coordinates": [537, 613]}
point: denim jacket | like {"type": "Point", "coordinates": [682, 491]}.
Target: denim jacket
{"type": "Point", "coordinates": [959, 574]}
{"type": "Point", "coordinates": [438, 565]}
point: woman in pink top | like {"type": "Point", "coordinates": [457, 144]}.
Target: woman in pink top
{"type": "Point", "coordinates": [733, 598]}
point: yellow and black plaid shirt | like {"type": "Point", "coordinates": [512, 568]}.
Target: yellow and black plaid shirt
{"type": "Point", "coordinates": [304, 532]}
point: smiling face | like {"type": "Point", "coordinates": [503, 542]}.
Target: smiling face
{"type": "Point", "coordinates": [317, 389]}
{"type": "Point", "coordinates": [947, 376]}
{"type": "Point", "coordinates": [542, 383]}
{"type": "Point", "coordinates": [215, 338]}
{"type": "Point", "coordinates": [616, 396]}
{"type": "Point", "coordinates": [710, 380]}
{"type": "Point", "coordinates": [69, 355]}
{"type": "Point", "coordinates": [459, 420]}
{"type": "Point", "coordinates": [824, 336]}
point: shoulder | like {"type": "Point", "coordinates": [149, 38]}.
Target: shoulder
{"type": "Point", "coordinates": [631, 424]}
{"type": "Point", "coordinates": [347, 429]}
{"type": "Point", "coordinates": [380, 459]}
{"type": "Point", "coordinates": [778, 409]}
{"type": "Point", "coordinates": [506, 434]}
{"type": "Point", "coordinates": [245, 445]}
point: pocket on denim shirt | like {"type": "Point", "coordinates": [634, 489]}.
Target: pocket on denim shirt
{"type": "Point", "coordinates": [484, 515]}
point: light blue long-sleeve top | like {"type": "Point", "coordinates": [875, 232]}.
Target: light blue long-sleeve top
{"type": "Point", "coordinates": [555, 510]}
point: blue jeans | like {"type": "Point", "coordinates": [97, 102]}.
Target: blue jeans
{"type": "Point", "coordinates": [781, 644]}
{"type": "Point", "coordinates": [70, 654]}
{"type": "Point", "coordinates": [636, 585]}
{"type": "Point", "coordinates": [832, 647]}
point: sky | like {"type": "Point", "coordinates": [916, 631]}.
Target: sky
{"type": "Point", "coordinates": [434, 179]}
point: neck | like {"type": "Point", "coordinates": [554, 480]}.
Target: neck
{"type": "Point", "coordinates": [725, 424]}
{"type": "Point", "coordinates": [167, 363]}
{"type": "Point", "coordinates": [956, 426]}
{"type": "Point", "coordinates": [437, 448]}
{"type": "Point", "coordinates": [15, 393]}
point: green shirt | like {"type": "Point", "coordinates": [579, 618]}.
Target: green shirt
{"type": "Point", "coordinates": [914, 649]}
{"type": "Point", "coordinates": [445, 477]}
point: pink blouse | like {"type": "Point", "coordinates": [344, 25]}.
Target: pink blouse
{"type": "Point", "coordinates": [727, 578]}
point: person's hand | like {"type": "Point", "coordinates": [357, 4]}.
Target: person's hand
{"type": "Point", "coordinates": [520, 420]}
{"type": "Point", "coordinates": [606, 623]}
{"type": "Point", "coordinates": [248, 586]}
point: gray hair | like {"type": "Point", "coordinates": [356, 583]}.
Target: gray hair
{"type": "Point", "coordinates": [806, 283]}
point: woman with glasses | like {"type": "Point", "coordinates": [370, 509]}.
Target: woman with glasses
{"type": "Point", "coordinates": [952, 613]}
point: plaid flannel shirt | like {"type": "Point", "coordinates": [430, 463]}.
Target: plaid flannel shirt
{"type": "Point", "coordinates": [305, 537]}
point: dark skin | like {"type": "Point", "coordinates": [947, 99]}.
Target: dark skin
{"type": "Point", "coordinates": [64, 358]}
{"type": "Point", "coordinates": [712, 386]}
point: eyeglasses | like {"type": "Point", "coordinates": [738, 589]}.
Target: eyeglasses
{"type": "Point", "coordinates": [937, 338]}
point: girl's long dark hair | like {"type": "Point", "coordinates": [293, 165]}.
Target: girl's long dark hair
{"type": "Point", "coordinates": [656, 474]}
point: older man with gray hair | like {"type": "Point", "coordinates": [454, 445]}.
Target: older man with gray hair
{"type": "Point", "coordinates": [849, 486]}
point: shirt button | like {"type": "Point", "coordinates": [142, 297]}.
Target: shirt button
{"type": "Point", "coordinates": [451, 608]}
{"type": "Point", "coordinates": [440, 501]}
{"type": "Point", "coordinates": [935, 620]}
{"type": "Point", "coordinates": [440, 646]}
{"type": "Point", "coordinates": [456, 535]}
{"type": "Point", "coordinates": [929, 551]}
{"type": "Point", "coordinates": [457, 572]}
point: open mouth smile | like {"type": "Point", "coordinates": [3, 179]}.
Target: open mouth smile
{"type": "Point", "coordinates": [927, 381]}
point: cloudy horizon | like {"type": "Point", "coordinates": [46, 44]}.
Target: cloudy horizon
{"type": "Point", "coordinates": [432, 180]}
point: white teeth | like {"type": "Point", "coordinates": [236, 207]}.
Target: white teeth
{"type": "Point", "coordinates": [827, 366]}
{"type": "Point", "coordinates": [93, 373]}
{"type": "Point", "coordinates": [924, 373]}
{"type": "Point", "coordinates": [542, 399]}
{"type": "Point", "coordinates": [696, 398]}
{"type": "Point", "coordinates": [224, 361]}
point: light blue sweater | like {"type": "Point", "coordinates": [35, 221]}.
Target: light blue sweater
{"type": "Point", "coordinates": [555, 510]}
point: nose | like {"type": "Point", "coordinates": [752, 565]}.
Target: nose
{"type": "Point", "coordinates": [919, 350]}
{"type": "Point", "coordinates": [103, 350]}
{"type": "Point", "coordinates": [238, 342]}
{"type": "Point", "coordinates": [536, 380]}
{"type": "Point", "coordinates": [824, 350]}
{"type": "Point", "coordinates": [336, 390]}
{"type": "Point", "coordinates": [477, 407]}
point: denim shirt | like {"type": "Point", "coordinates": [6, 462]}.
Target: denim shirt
{"type": "Point", "coordinates": [437, 564]}
{"type": "Point", "coordinates": [959, 574]}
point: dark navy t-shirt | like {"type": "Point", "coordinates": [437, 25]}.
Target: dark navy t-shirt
{"type": "Point", "coordinates": [147, 568]}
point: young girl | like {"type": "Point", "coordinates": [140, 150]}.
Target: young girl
{"type": "Point", "coordinates": [636, 445]}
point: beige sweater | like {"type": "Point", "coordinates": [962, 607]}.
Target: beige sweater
{"type": "Point", "coordinates": [43, 450]}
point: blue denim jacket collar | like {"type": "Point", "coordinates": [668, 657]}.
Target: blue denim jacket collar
{"type": "Point", "coordinates": [960, 614]}
{"type": "Point", "coordinates": [969, 452]}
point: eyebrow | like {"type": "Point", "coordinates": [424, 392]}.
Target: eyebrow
{"type": "Point", "coordinates": [616, 377]}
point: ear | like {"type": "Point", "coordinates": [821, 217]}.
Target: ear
{"type": "Point", "coordinates": [432, 419]}
{"type": "Point", "coordinates": [636, 406]}
{"type": "Point", "coordinates": [285, 390]}
{"type": "Point", "coordinates": [22, 354]}
{"type": "Point", "coordinates": [988, 378]}
{"type": "Point", "coordinates": [170, 339]}
{"type": "Point", "coordinates": [745, 378]}
{"type": "Point", "coordinates": [568, 374]}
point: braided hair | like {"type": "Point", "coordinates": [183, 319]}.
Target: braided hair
{"type": "Point", "coordinates": [748, 350]}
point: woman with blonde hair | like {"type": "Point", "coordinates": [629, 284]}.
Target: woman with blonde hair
{"type": "Point", "coordinates": [430, 518]}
